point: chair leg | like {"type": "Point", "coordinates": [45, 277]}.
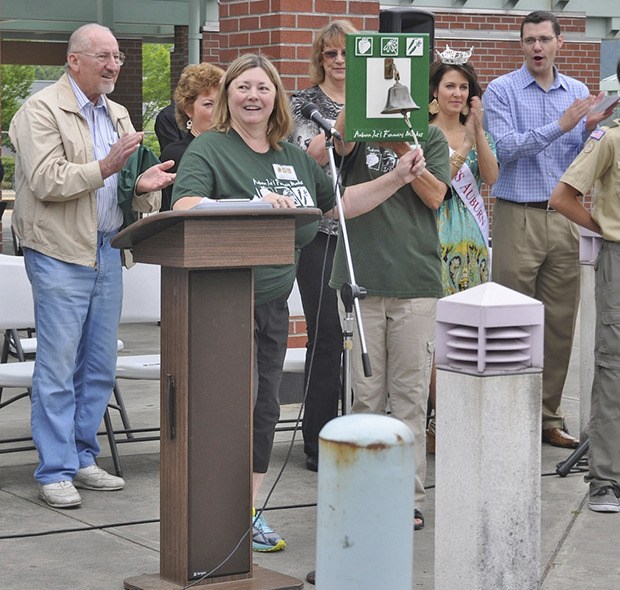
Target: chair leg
{"type": "Point", "coordinates": [120, 406]}
{"type": "Point", "coordinates": [6, 346]}
{"type": "Point", "coordinates": [109, 428]}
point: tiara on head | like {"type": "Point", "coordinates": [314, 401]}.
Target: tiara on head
{"type": "Point", "coordinates": [450, 56]}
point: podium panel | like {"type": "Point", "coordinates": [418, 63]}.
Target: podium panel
{"type": "Point", "coordinates": [206, 387]}
{"type": "Point", "coordinates": [207, 329]}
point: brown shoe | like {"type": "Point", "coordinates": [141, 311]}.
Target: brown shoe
{"type": "Point", "coordinates": [556, 437]}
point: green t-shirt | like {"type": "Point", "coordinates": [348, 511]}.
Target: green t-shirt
{"type": "Point", "coordinates": [222, 166]}
{"type": "Point", "coordinates": [394, 247]}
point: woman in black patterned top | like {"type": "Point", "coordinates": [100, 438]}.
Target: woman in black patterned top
{"type": "Point", "coordinates": [320, 303]}
{"type": "Point", "coordinates": [194, 98]}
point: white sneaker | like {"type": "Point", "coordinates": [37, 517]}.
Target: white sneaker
{"type": "Point", "coordinates": [61, 494]}
{"type": "Point", "coordinates": [95, 478]}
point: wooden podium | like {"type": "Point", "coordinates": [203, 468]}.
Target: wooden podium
{"type": "Point", "coordinates": [207, 258]}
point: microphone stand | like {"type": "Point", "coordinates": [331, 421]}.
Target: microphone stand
{"type": "Point", "coordinates": [350, 293]}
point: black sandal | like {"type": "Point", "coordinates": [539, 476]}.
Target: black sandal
{"type": "Point", "coordinates": [417, 515]}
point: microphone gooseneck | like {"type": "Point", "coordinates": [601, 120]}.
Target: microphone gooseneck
{"type": "Point", "coordinates": [310, 111]}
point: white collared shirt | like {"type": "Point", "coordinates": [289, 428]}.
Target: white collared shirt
{"type": "Point", "coordinates": [109, 214]}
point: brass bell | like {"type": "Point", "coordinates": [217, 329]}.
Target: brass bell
{"type": "Point", "coordinates": [399, 100]}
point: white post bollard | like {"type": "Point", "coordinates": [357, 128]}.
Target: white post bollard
{"type": "Point", "coordinates": [488, 440]}
{"type": "Point", "coordinates": [589, 246]}
{"type": "Point", "coordinates": [487, 494]}
{"type": "Point", "coordinates": [365, 504]}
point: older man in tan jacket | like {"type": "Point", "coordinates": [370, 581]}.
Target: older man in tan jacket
{"type": "Point", "coordinates": [71, 142]}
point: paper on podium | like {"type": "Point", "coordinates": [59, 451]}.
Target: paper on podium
{"type": "Point", "coordinates": [232, 204]}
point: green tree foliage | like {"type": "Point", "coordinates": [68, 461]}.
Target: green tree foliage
{"type": "Point", "coordinates": [155, 80]}
{"type": "Point", "coordinates": [16, 83]}
{"type": "Point", "coordinates": [48, 72]}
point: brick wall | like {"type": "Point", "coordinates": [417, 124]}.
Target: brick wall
{"type": "Point", "coordinates": [128, 89]}
{"type": "Point", "coordinates": [210, 47]}
{"type": "Point", "coordinates": [284, 30]}
{"type": "Point", "coordinates": [297, 334]}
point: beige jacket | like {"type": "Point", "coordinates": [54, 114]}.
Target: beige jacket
{"type": "Point", "coordinates": [56, 175]}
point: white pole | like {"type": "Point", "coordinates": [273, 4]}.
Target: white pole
{"type": "Point", "coordinates": [589, 247]}
{"type": "Point", "coordinates": [365, 504]}
{"type": "Point", "coordinates": [587, 321]}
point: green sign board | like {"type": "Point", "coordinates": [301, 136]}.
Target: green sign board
{"type": "Point", "coordinates": [386, 71]}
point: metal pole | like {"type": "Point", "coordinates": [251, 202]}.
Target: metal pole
{"type": "Point", "coordinates": [194, 35]}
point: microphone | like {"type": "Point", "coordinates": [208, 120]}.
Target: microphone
{"type": "Point", "coordinates": [311, 111]}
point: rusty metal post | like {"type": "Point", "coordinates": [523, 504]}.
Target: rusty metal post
{"type": "Point", "coordinates": [365, 504]}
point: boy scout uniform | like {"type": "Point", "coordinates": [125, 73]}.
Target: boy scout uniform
{"type": "Point", "coordinates": [599, 165]}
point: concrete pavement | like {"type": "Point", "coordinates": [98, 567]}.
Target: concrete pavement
{"type": "Point", "coordinates": [115, 535]}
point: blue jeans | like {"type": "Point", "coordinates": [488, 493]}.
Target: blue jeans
{"type": "Point", "coordinates": [77, 311]}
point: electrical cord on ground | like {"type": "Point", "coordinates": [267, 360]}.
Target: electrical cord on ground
{"type": "Point", "coordinates": [97, 527]}
{"type": "Point", "coordinates": [156, 520]}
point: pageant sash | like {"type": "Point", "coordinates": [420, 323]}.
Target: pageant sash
{"type": "Point", "coordinates": [464, 183]}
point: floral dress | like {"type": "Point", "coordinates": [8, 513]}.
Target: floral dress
{"type": "Point", "coordinates": [464, 253]}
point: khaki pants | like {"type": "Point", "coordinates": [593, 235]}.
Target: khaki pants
{"type": "Point", "coordinates": [400, 336]}
{"type": "Point", "coordinates": [536, 252]}
{"type": "Point", "coordinates": [604, 430]}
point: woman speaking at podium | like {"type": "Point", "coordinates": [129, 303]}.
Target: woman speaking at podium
{"type": "Point", "coordinates": [246, 155]}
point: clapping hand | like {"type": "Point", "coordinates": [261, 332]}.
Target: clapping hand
{"type": "Point", "coordinates": [156, 178]}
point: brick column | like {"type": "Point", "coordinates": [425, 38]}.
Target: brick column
{"type": "Point", "coordinates": [128, 90]}
{"type": "Point", "coordinates": [179, 57]}
{"type": "Point", "coordinates": [284, 30]}
{"type": "Point", "coordinates": [210, 48]}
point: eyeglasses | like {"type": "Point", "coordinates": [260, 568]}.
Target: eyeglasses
{"type": "Point", "coordinates": [529, 41]}
{"type": "Point", "coordinates": [334, 53]}
{"type": "Point", "coordinates": [104, 58]}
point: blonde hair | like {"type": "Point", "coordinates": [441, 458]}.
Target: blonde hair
{"type": "Point", "coordinates": [334, 33]}
{"type": "Point", "coordinates": [280, 123]}
{"type": "Point", "coordinates": [195, 79]}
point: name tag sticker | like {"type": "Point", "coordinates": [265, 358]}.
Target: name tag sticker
{"type": "Point", "coordinates": [284, 172]}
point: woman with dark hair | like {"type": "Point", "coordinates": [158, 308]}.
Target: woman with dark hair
{"type": "Point", "coordinates": [194, 98]}
{"type": "Point", "coordinates": [455, 107]}
{"type": "Point", "coordinates": [320, 302]}
{"type": "Point", "coordinates": [245, 155]}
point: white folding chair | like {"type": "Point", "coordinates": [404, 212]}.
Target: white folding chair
{"type": "Point", "coordinates": [16, 313]}
{"type": "Point", "coordinates": [141, 304]}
